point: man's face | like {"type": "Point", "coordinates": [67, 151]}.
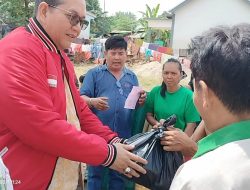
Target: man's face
{"type": "Point", "coordinates": [116, 59]}
{"type": "Point", "coordinates": [57, 22]}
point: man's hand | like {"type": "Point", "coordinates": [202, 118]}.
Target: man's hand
{"type": "Point", "coordinates": [100, 103]}
{"type": "Point", "coordinates": [126, 159]}
{"type": "Point", "coordinates": [142, 97]}
{"type": "Point", "coordinates": [176, 140]}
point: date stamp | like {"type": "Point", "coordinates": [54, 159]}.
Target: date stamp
{"type": "Point", "coordinates": [16, 181]}
{"type": "Point", "coordinates": [13, 181]}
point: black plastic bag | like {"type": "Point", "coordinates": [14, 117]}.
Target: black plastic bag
{"type": "Point", "coordinates": [162, 164]}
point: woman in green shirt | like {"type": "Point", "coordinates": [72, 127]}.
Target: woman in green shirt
{"type": "Point", "coordinates": [171, 98]}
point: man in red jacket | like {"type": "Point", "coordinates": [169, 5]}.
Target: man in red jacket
{"type": "Point", "coordinates": [46, 129]}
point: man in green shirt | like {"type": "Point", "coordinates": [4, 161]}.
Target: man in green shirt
{"type": "Point", "coordinates": [221, 68]}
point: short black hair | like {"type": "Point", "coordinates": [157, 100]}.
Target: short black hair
{"type": "Point", "coordinates": [163, 85]}
{"type": "Point", "coordinates": [221, 58]}
{"type": "Point", "coordinates": [50, 2]}
{"type": "Point", "coordinates": [116, 42]}
{"type": "Point", "coordinates": [81, 78]}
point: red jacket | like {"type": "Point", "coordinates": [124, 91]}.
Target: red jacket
{"type": "Point", "coordinates": [33, 127]}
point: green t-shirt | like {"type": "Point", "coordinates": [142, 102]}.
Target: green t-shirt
{"type": "Point", "coordinates": [179, 103]}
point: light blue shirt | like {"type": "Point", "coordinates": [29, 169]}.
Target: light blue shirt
{"type": "Point", "coordinates": [100, 82]}
{"type": "Point", "coordinates": [5, 181]}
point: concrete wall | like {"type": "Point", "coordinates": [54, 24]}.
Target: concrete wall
{"type": "Point", "coordinates": [196, 16]}
{"type": "Point", "coordinates": [86, 33]}
{"type": "Point", "coordinates": [160, 24]}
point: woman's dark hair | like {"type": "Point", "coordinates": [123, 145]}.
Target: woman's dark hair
{"type": "Point", "coordinates": [163, 85]}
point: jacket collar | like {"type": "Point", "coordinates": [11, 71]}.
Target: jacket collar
{"type": "Point", "coordinates": [37, 30]}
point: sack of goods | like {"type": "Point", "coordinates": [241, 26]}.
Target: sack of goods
{"type": "Point", "coordinates": [162, 164]}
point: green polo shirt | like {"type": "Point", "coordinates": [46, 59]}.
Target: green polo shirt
{"type": "Point", "coordinates": [233, 132]}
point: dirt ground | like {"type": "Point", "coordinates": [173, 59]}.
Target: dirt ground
{"type": "Point", "coordinates": [149, 74]}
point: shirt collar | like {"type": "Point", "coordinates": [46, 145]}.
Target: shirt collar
{"type": "Point", "coordinates": [37, 30]}
{"type": "Point", "coordinates": [124, 70]}
{"type": "Point", "coordinates": [227, 134]}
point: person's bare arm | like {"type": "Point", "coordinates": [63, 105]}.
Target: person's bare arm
{"type": "Point", "coordinates": [190, 129]}
{"type": "Point", "coordinates": [100, 103]}
{"type": "Point", "coordinates": [199, 132]}
{"type": "Point", "coordinates": [142, 98]}
{"type": "Point", "coordinates": [151, 120]}
{"type": "Point", "coordinates": [177, 140]}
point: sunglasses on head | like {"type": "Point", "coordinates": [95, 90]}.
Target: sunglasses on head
{"type": "Point", "coordinates": [73, 18]}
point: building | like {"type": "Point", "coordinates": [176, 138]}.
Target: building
{"type": "Point", "coordinates": [160, 23]}
{"type": "Point", "coordinates": [192, 17]}
{"type": "Point", "coordinates": [86, 33]}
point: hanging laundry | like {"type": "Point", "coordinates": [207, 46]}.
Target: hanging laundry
{"type": "Point", "coordinates": [139, 42]}
{"type": "Point", "coordinates": [148, 53]}
{"type": "Point", "coordinates": [76, 47]}
{"type": "Point", "coordinates": [162, 49]}
{"type": "Point", "coordinates": [145, 44]}
{"type": "Point", "coordinates": [153, 47]}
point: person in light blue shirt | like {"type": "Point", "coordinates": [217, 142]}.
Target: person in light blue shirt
{"type": "Point", "coordinates": [105, 90]}
{"type": "Point", "coordinates": [5, 181]}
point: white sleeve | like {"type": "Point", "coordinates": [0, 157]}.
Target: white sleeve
{"type": "Point", "coordinates": [5, 181]}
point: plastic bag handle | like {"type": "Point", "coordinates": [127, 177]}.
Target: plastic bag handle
{"type": "Point", "coordinates": [170, 121]}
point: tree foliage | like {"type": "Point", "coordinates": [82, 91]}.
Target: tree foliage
{"type": "Point", "coordinates": [16, 12]}
{"type": "Point", "coordinates": [154, 34]}
{"type": "Point", "coordinates": [101, 24]}
{"type": "Point", "coordinates": [93, 6]}
{"type": "Point", "coordinates": [151, 13]}
{"type": "Point", "coordinates": [165, 15]}
{"type": "Point", "coordinates": [123, 21]}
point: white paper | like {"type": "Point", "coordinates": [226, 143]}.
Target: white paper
{"type": "Point", "coordinates": [132, 98]}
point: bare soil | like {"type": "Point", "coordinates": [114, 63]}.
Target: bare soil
{"type": "Point", "coordinates": [149, 74]}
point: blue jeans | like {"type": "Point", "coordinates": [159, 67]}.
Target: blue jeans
{"type": "Point", "coordinates": [100, 178]}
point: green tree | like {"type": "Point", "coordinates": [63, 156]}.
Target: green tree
{"type": "Point", "coordinates": [93, 6]}
{"type": "Point", "coordinates": [151, 13]}
{"type": "Point", "coordinates": [16, 12]}
{"type": "Point", "coordinates": [165, 15]}
{"type": "Point", "coordinates": [101, 24]}
{"type": "Point", "coordinates": [123, 21]}
{"type": "Point", "coordinates": [151, 35]}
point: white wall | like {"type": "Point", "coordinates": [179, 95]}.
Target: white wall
{"type": "Point", "coordinates": [196, 16]}
{"type": "Point", "coordinates": [85, 33]}
{"type": "Point", "coordinates": [160, 24]}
